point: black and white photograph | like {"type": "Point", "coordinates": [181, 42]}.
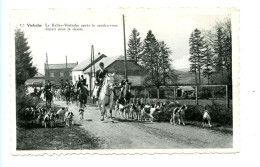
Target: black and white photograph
{"type": "Point", "coordinates": [125, 80]}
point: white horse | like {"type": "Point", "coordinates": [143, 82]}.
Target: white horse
{"type": "Point", "coordinates": [106, 96]}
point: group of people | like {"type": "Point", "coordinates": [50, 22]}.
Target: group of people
{"type": "Point", "coordinates": [99, 79]}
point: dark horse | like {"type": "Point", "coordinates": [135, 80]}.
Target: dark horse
{"type": "Point", "coordinates": [49, 97]}
{"type": "Point", "coordinates": [74, 95]}
{"type": "Point", "coordinates": [126, 93]}
{"type": "Point", "coordinates": [67, 92]}
{"type": "Point", "coordinates": [83, 94]}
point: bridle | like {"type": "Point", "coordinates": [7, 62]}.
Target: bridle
{"type": "Point", "coordinates": [109, 89]}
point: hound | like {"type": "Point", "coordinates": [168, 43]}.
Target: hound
{"type": "Point", "coordinates": [150, 111]}
{"type": "Point", "coordinates": [69, 118]}
{"type": "Point", "coordinates": [206, 118]}
{"type": "Point", "coordinates": [60, 114]}
{"type": "Point", "coordinates": [178, 113]}
{"type": "Point", "coordinates": [49, 120]}
{"type": "Point", "coordinates": [81, 114]}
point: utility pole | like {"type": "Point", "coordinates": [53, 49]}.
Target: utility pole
{"type": "Point", "coordinates": [66, 72]}
{"type": "Point", "coordinates": [93, 59]}
{"type": "Point", "coordinates": [124, 47]}
{"type": "Point", "coordinates": [47, 75]}
{"type": "Point", "coordinates": [90, 76]}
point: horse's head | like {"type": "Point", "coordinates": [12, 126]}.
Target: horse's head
{"type": "Point", "coordinates": [110, 81]}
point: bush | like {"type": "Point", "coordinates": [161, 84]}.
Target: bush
{"type": "Point", "coordinates": [218, 113]}
{"type": "Point", "coordinates": [23, 101]}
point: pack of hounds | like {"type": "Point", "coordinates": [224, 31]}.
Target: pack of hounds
{"type": "Point", "coordinates": [48, 117]}
{"type": "Point", "coordinates": [143, 109]}
{"type": "Point", "coordinates": [137, 108]}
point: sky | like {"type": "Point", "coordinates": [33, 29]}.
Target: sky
{"type": "Point", "coordinates": [171, 26]}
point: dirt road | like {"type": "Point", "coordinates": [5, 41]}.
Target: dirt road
{"type": "Point", "coordinates": [130, 134]}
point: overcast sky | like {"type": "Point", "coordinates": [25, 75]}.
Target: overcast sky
{"type": "Point", "coordinates": [170, 26]}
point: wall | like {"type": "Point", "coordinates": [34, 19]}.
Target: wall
{"type": "Point", "coordinates": [57, 78]}
{"type": "Point", "coordinates": [75, 75]}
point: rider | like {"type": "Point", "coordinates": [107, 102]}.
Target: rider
{"type": "Point", "coordinates": [48, 86]}
{"type": "Point", "coordinates": [123, 83]}
{"type": "Point", "coordinates": [67, 84]}
{"type": "Point", "coordinates": [83, 80]}
{"type": "Point", "coordinates": [100, 75]}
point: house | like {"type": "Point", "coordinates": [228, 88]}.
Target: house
{"type": "Point", "coordinates": [135, 72]}
{"type": "Point", "coordinates": [185, 91]}
{"type": "Point", "coordinates": [84, 65]}
{"type": "Point", "coordinates": [59, 73]}
{"type": "Point", "coordinates": [37, 80]}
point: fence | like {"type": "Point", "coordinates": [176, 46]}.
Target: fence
{"type": "Point", "coordinates": [188, 94]}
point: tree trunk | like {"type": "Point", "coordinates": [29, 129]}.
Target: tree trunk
{"type": "Point", "coordinates": [158, 93]}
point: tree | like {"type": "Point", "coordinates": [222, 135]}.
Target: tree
{"type": "Point", "coordinates": [219, 51]}
{"type": "Point", "coordinates": [23, 60]}
{"type": "Point", "coordinates": [134, 46]}
{"type": "Point", "coordinates": [156, 61]}
{"type": "Point", "coordinates": [222, 45]}
{"type": "Point", "coordinates": [207, 62]}
{"type": "Point", "coordinates": [196, 43]}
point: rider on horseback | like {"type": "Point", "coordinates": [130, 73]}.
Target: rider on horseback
{"type": "Point", "coordinates": [67, 84]}
{"type": "Point", "coordinates": [100, 76]}
{"type": "Point", "coordinates": [123, 83]}
{"type": "Point", "coordinates": [48, 86]}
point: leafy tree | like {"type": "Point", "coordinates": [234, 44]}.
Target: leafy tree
{"type": "Point", "coordinates": [23, 60]}
{"type": "Point", "coordinates": [196, 43]}
{"type": "Point", "coordinates": [134, 46]}
{"type": "Point", "coordinates": [156, 61]}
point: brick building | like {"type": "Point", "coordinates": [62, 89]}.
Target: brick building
{"type": "Point", "coordinates": [59, 73]}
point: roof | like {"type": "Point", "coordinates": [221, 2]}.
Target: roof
{"type": "Point", "coordinates": [186, 88]}
{"type": "Point", "coordinates": [33, 80]}
{"type": "Point", "coordinates": [61, 66]}
{"type": "Point", "coordinates": [85, 64]}
{"type": "Point", "coordinates": [38, 75]}
{"type": "Point", "coordinates": [108, 61]}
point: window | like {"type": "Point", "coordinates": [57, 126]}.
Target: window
{"type": "Point", "coordinates": [61, 74]}
{"type": "Point", "coordinates": [52, 74]}
{"type": "Point", "coordinates": [70, 73]}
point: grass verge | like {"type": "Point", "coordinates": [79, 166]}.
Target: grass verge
{"type": "Point", "coordinates": [58, 138]}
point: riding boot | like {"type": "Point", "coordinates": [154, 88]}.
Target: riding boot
{"type": "Point", "coordinates": [115, 96]}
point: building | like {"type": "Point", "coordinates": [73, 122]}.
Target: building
{"type": "Point", "coordinates": [59, 73]}
{"type": "Point", "coordinates": [37, 80]}
{"type": "Point", "coordinates": [84, 65]}
{"type": "Point", "coordinates": [135, 72]}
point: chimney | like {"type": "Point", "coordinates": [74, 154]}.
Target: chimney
{"type": "Point", "coordinates": [77, 63]}
{"type": "Point", "coordinates": [98, 53]}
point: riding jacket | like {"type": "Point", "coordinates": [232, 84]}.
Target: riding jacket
{"type": "Point", "coordinates": [47, 87]}
{"type": "Point", "coordinates": [100, 75]}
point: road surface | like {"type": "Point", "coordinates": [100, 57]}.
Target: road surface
{"type": "Point", "coordinates": [130, 134]}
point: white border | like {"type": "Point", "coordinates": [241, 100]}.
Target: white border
{"type": "Point", "coordinates": [235, 70]}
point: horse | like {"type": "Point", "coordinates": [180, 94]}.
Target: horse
{"type": "Point", "coordinates": [83, 94]}
{"type": "Point", "coordinates": [126, 92]}
{"type": "Point", "coordinates": [67, 92]}
{"type": "Point", "coordinates": [74, 95]}
{"type": "Point", "coordinates": [58, 94]}
{"type": "Point", "coordinates": [106, 96]}
{"type": "Point", "coordinates": [49, 97]}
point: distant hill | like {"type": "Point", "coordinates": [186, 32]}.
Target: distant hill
{"type": "Point", "coordinates": [183, 69]}
{"type": "Point", "coordinates": [185, 77]}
